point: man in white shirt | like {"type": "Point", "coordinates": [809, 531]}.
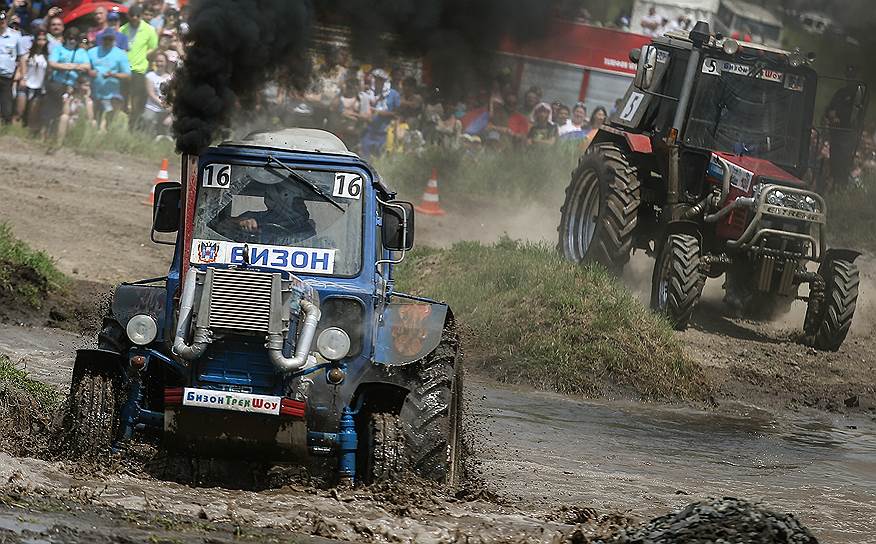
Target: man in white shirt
{"type": "Point", "coordinates": [10, 51]}
{"type": "Point", "coordinates": [651, 23]}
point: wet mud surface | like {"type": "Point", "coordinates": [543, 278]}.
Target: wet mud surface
{"type": "Point", "coordinates": [541, 462]}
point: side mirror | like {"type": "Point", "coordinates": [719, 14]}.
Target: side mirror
{"type": "Point", "coordinates": [165, 210]}
{"type": "Point", "coordinates": [647, 63]}
{"type": "Point", "coordinates": [397, 231]}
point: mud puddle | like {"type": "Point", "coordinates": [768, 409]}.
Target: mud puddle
{"type": "Point", "coordinates": [540, 453]}
{"type": "Point", "coordinates": [546, 449]}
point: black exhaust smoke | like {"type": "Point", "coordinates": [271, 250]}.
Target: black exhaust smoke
{"type": "Point", "coordinates": [235, 46]}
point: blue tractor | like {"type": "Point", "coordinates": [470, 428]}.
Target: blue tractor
{"type": "Point", "coordinates": [278, 333]}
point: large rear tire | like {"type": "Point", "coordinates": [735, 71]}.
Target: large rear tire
{"type": "Point", "coordinates": [93, 414]}
{"type": "Point", "coordinates": [601, 209]}
{"type": "Point", "coordinates": [827, 324]}
{"type": "Point", "coordinates": [677, 283]}
{"type": "Point", "coordinates": [430, 417]}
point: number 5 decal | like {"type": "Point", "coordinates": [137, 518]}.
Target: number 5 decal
{"type": "Point", "coordinates": [632, 106]}
{"type": "Point", "coordinates": [710, 66]}
{"type": "Point", "coordinates": [217, 175]}
{"type": "Point", "coordinates": [347, 185]}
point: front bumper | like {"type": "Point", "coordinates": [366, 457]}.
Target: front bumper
{"type": "Point", "coordinates": [768, 234]}
{"type": "Point", "coordinates": [222, 424]}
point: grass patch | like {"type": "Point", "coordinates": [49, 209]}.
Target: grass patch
{"type": "Point", "coordinates": [85, 139]}
{"type": "Point", "coordinates": [528, 316]}
{"type": "Point", "coordinates": [851, 220]}
{"type": "Point", "coordinates": [26, 275]}
{"type": "Point", "coordinates": [45, 396]}
{"type": "Point", "coordinates": [515, 175]}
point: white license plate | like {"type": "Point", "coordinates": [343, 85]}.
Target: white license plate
{"type": "Point", "coordinates": [229, 400]}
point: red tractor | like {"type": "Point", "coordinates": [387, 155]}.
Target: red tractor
{"type": "Point", "coordinates": [703, 168]}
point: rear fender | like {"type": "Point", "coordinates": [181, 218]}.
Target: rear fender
{"type": "Point", "coordinates": [841, 254]}
{"type": "Point", "coordinates": [408, 331]}
{"type": "Point", "coordinates": [98, 360]}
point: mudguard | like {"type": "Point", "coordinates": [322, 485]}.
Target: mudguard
{"type": "Point", "coordinates": [408, 331]}
{"type": "Point", "coordinates": [100, 360]}
{"type": "Point", "coordinates": [842, 254]}
{"type": "Point", "coordinates": [130, 300]}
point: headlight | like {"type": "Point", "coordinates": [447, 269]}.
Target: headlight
{"type": "Point", "coordinates": [776, 198]}
{"type": "Point", "coordinates": [142, 329]}
{"type": "Point", "coordinates": [808, 204]}
{"type": "Point", "coordinates": [333, 344]}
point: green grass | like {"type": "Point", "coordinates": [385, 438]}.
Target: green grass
{"type": "Point", "coordinates": [515, 175]}
{"type": "Point", "coordinates": [26, 275]}
{"type": "Point", "coordinates": [46, 396]}
{"type": "Point", "coordinates": [87, 140]}
{"type": "Point", "coordinates": [528, 316]}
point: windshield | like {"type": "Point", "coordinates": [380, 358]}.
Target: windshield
{"type": "Point", "coordinates": [749, 110]}
{"type": "Point", "coordinates": [265, 216]}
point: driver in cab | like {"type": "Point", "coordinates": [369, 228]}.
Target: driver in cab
{"type": "Point", "coordinates": [284, 219]}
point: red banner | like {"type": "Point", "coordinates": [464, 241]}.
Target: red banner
{"type": "Point", "coordinates": [582, 45]}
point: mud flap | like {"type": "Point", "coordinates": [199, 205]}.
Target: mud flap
{"type": "Point", "coordinates": [408, 331]}
{"type": "Point", "coordinates": [99, 360]}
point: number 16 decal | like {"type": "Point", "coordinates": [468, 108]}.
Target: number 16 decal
{"type": "Point", "coordinates": [347, 185]}
{"type": "Point", "coordinates": [217, 175]}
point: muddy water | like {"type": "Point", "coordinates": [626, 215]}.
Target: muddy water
{"type": "Point", "coordinates": [547, 449]}
{"type": "Point", "coordinates": [542, 451]}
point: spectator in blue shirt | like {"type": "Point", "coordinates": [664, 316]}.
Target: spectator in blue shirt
{"type": "Point", "coordinates": [67, 63]}
{"type": "Point", "coordinates": [384, 102]}
{"type": "Point", "coordinates": [110, 66]}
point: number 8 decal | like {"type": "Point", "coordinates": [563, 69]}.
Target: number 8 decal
{"type": "Point", "coordinates": [347, 185]}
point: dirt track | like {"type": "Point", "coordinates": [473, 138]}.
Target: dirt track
{"type": "Point", "coordinates": [540, 452]}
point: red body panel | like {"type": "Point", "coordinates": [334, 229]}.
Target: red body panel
{"type": "Point", "coordinates": [762, 168]}
{"type": "Point", "coordinates": [638, 143]}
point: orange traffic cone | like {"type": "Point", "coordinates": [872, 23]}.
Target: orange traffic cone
{"type": "Point", "coordinates": [430, 204]}
{"type": "Point", "coordinates": [162, 176]}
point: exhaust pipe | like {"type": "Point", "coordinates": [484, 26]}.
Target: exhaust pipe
{"type": "Point", "coordinates": [741, 202]}
{"type": "Point", "coordinates": [302, 347]}
{"type": "Point", "coordinates": [202, 336]}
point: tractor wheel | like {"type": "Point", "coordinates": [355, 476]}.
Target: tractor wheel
{"type": "Point", "coordinates": [677, 282]}
{"type": "Point", "coordinates": [431, 417]}
{"type": "Point", "coordinates": [93, 414]}
{"type": "Point", "coordinates": [384, 448]}
{"type": "Point", "coordinates": [601, 209]}
{"type": "Point", "coordinates": [827, 324]}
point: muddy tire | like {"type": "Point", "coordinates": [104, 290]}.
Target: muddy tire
{"type": "Point", "coordinates": [827, 324]}
{"type": "Point", "coordinates": [93, 414]}
{"type": "Point", "coordinates": [601, 209]}
{"type": "Point", "coordinates": [677, 282]}
{"type": "Point", "coordinates": [384, 448]}
{"type": "Point", "coordinates": [430, 417]}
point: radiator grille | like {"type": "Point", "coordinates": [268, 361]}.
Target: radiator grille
{"type": "Point", "coordinates": [240, 300]}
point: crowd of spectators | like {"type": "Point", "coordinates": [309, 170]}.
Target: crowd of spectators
{"type": "Point", "coordinates": [52, 76]}
{"type": "Point", "coordinates": [376, 110]}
